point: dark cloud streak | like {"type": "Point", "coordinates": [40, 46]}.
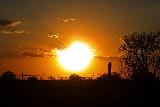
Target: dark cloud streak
{"type": "Point", "coordinates": [9, 22]}
{"type": "Point", "coordinates": [32, 54]}
{"type": "Point", "coordinates": [14, 31]}
{"type": "Point", "coordinates": [9, 26]}
{"type": "Point", "coordinates": [39, 52]}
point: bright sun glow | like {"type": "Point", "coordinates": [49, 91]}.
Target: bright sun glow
{"type": "Point", "coordinates": [76, 57]}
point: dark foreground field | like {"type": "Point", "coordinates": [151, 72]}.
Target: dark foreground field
{"type": "Point", "coordinates": [79, 93]}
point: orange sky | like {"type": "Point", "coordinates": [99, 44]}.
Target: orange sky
{"type": "Point", "coordinates": [25, 26]}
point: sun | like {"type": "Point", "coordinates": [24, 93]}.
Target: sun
{"type": "Point", "coordinates": [76, 57]}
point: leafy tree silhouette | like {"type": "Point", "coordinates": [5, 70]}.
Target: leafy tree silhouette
{"type": "Point", "coordinates": [140, 55]}
{"type": "Point", "coordinates": [75, 77]}
{"type": "Point", "coordinates": [32, 78]}
{"type": "Point", "coordinates": [8, 75]}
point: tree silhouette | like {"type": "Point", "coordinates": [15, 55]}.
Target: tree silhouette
{"type": "Point", "coordinates": [102, 77]}
{"type": "Point", "coordinates": [114, 76]}
{"type": "Point", "coordinates": [32, 78]}
{"type": "Point", "coordinates": [75, 77]}
{"type": "Point", "coordinates": [140, 55]}
{"type": "Point", "coordinates": [8, 75]}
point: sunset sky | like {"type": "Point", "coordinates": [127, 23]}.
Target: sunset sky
{"type": "Point", "coordinates": [28, 30]}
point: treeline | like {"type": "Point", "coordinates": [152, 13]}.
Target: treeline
{"type": "Point", "coordinates": [8, 75]}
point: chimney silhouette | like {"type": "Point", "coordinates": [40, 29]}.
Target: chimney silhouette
{"type": "Point", "coordinates": [109, 70]}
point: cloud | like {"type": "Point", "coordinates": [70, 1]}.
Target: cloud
{"type": "Point", "coordinates": [7, 32]}
{"type": "Point", "coordinates": [101, 57]}
{"type": "Point", "coordinates": [39, 52]}
{"type": "Point", "coordinates": [21, 31]}
{"type": "Point", "coordinates": [58, 40]}
{"type": "Point", "coordinates": [9, 26]}
{"type": "Point", "coordinates": [43, 50]}
{"type": "Point", "coordinates": [66, 20]}
{"type": "Point", "coordinates": [9, 22]}
{"type": "Point", "coordinates": [34, 49]}
{"type": "Point", "coordinates": [54, 36]}
{"type": "Point", "coordinates": [106, 58]}
{"type": "Point", "coordinates": [14, 31]}
{"type": "Point", "coordinates": [32, 54]}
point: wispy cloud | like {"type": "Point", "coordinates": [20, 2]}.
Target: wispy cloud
{"type": "Point", "coordinates": [105, 57]}
{"type": "Point", "coordinates": [66, 20]}
{"type": "Point", "coordinates": [54, 35]}
{"type": "Point", "coordinates": [58, 40]}
{"type": "Point", "coordinates": [14, 31]}
{"type": "Point", "coordinates": [100, 57]}
{"type": "Point", "coordinates": [9, 26]}
{"type": "Point", "coordinates": [38, 52]}
{"type": "Point", "coordinates": [32, 54]}
{"type": "Point", "coordinates": [9, 22]}
{"type": "Point", "coordinates": [35, 54]}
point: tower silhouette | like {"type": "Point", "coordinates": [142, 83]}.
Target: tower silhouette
{"type": "Point", "coordinates": [109, 70]}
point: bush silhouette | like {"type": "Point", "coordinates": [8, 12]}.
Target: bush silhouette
{"type": "Point", "coordinates": [32, 78]}
{"type": "Point", "coordinates": [114, 76]}
{"type": "Point", "coordinates": [102, 77]}
{"type": "Point", "coordinates": [8, 75]}
{"type": "Point", "coordinates": [75, 77]}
